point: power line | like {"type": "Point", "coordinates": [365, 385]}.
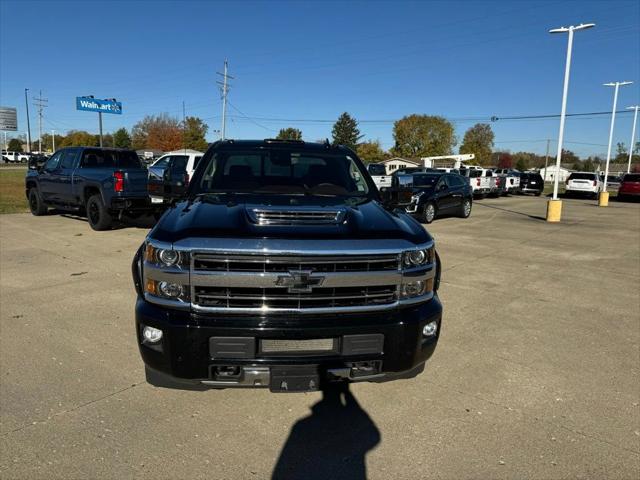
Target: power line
{"type": "Point", "coordinates": [249, 118]}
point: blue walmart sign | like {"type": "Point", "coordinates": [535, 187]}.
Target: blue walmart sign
{"type": "Point", "coordinates": [89, 104]}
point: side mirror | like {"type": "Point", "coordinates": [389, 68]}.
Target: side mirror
{"type": "Point", "coordinates": [175, 181]}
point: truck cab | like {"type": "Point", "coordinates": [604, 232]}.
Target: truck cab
{"type": "Point", "coordinates": [279, 266]}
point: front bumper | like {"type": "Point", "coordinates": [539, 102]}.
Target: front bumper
{"type": "Point", "coordinates": [187, 358]}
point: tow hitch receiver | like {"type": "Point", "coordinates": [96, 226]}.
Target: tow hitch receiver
{"type": "Point", "coordinates": [298, 378]}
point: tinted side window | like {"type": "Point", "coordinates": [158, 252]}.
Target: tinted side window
{"type": "Point", "coordinates": [97, 159]}
{"type": "Point", "coordinates": [53, 162]}
{"type": "Point", "coordinates": [162, 162]}
{"type": "Point", "coordinates": [196, 161]}
{"type": "Point", "coordinates": [456, 181]}
{"type": "Point", "coordinates": [69, 158]}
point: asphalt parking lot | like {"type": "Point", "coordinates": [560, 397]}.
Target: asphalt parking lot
{"type": "Point", "coordinates": [536, 374]}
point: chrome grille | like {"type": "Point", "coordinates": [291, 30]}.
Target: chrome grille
{"type": "Point", "coordinates": [274, 298]}
{"type": "Point", "coordinates": [265, 216]}
{"type": "Point", "coordinates": [294, 283]}
{"type": "Point", "coordinates": [317, 263]}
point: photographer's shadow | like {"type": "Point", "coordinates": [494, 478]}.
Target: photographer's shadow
{"type": "Point", "coordinates": [331, 443]}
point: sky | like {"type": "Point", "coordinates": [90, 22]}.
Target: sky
{"type": "Point", "coordinates": [301, 64]}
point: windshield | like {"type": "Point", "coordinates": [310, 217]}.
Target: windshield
{"type": "Point", "coordinates": [376, 169]}
{"type": "Point", "coordinates": [282, 172]}
{"type": "Point", "coordinates": [425, 180]}
{"type": "Point", "coordinates": [631, 177]}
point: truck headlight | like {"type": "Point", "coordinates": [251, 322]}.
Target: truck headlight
{"type": "Point", "coordinates": [166, 257]}
{"type": "Point", "coordinates": [417, 258]}
{"type": "Point", "coordinates": [169, 290]}
{"type": "Point", "coordinates": [415, 288]}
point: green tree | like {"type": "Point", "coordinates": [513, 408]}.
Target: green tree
{"type": "Point", "coordinates": [79, 138]}
{"type": "Point", "coordinates": [195, 131]}
{"type": "Point", "coordinates": [15, 145]}
{"type": "Point", "coordinates": [121, 138]}
{"type": "Point", "coordinates": [479, 141]}
{"type": "Point", "coordinates": [621, 152]}
{"type": "Point", "coordinates": [521, 164]}
{"type": "Point", "coordinates": [289, 133]}
{"type": "Point", "coordinates": [423, 135]}
{"type": "Point", "coordinates": [371, 151]}
{"type": "Point", "coordinates": [345, 131]}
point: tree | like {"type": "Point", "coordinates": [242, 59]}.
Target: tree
{"type": "Point", "coordinates": [505, 160]}
{"type": "Point", "coordinates": [345, 131]}
{"type": "Point", "coordinates": [569, 157]}
{"type": "Point", "coordinates": [15, 145]}
{"type": "Point", "coordinates": [289, 133]}
{"type": "Point", "coordinates": [78, 138]}
{"type": "Point", "coordinates": [423, 135]}
{"type": "Point", "coordinates": [521, 164]}
{"type": "Point", "coordinates": [622, 152]}
{"type": "Point", "coordinates": [195, 131]}
{"type": "Point", "coordinates": [158, 132]}
{"type": "Point", "coordinates": [479, 141]}
{"type": "Point", "coordinates": [371, 151]}
{"type": "Point", "coordinates": [121, 138]}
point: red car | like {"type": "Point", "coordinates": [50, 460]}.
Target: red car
{"type": "Point", "coordinates": [629, 186]}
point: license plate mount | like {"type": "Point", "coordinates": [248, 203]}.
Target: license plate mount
{"type": "Point", "coordinates": [297, 378]}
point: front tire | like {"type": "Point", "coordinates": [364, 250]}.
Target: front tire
{"type": "Point", "coordinates": [465, 209]}
{"type": "Point", "coordinates": [36, 205]}
{"type": "Point", "coordinates": [97, 214]}
{"type": "Point", "coordinates": [428, 213]}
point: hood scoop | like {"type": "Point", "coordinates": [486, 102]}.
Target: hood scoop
{"type": "Point", "coordinates": [296, 216]}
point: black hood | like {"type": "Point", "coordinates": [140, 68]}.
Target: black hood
{"type": "Point", "coordinates": [205, 218]}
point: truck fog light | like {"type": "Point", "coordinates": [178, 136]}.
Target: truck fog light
{"type": "Point", "coordinates": [414, 288]}
{"type": "Point", "coordinates": [430, 329]}
{"type": "Point", "coordinates": [171, 290]}
{"type": "Point", "coordinates": [168, 257]}
{"type": "Point", "coordinates": [151, 335]}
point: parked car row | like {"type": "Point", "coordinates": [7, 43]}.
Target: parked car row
{"type": "Point", "coordinates": [15, 157]}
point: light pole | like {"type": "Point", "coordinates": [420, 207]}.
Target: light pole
{"type": "Point", "coordinates": [603, 198]}
{"type": "Point", "coordinates": [53, 141]}
{"type": "Point", "coordinates": [633, 134]}
{"type": "Point", "coordinates": [554, 206]}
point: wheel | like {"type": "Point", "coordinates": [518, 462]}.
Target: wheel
{"type": "Point", "coordinates": [428, 212]}
{"type": "Point", "coordinates": [465, 210]}
{"type": "Point", "coordinates": [36, 205]}
{"type": "Point", "coordinates": [97, 214]}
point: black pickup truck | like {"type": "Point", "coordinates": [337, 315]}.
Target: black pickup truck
{"type": "Point", "coordinates": [279, 266]}
{"type": "Point", "coordinates": [103, 182]}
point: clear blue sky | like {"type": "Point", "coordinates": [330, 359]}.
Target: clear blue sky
{"type": "Point", "coordinates": [305, 62]}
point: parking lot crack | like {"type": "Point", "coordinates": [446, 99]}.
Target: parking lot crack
{"type": "Point", "coordinates": [71, 410]}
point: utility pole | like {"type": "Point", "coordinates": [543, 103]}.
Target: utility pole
{"type": "Point", "coordinates": [41, 103]}
{"type": "Point", "coordinates": [546, 161]}
{"type": "Point", "coordinates": [53, 140]}
{"type": "Point", "coordinates": [633, 134]}
{"type": "Point", "coordinates": [225, 91]}
{"type": "Point", "coordinates": [26, 101]}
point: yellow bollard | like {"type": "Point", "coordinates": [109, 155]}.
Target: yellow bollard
{"type": "Point", "coordinates": [554, 210]}
{"type": "Point", "coordinates": [603, 199]}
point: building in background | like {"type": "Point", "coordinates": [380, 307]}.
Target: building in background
{"type": "Point", "coordinates": [395, 163]}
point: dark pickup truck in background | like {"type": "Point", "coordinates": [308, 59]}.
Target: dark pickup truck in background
{"type": "Point", "coordinates": [279, 266]}
{"type": "Point", "coordinates": [105, 183]}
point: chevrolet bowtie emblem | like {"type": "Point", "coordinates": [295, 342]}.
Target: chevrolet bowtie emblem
{"type": "Point", "coordinates": [299, 281]}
